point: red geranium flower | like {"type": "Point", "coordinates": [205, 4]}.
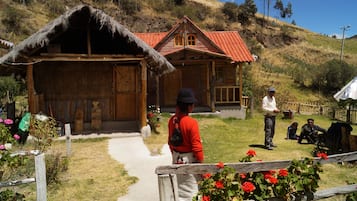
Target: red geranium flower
{"type": "Point", "coordinates": [322, 155]}
{"type": "Point", "coordinates": [242, 176]}
{"type": "Point", "coordinates": [271, 179]}
{"type": "Point", "coordinates": [251, 153]}
{"type": "Point", "coordinates": [219, 184]}
{"type": "Point", "coordinates": [283, 172]}
{"type": "Point", "coordinates": [207, 175]}
{"type": "Point", "coordinates": [248, 187]}
{"type": "Point", "coordinates": [220, 165]}
{"type": "Point", "coordinates": [206, 198]}
{"type": "Point", "coordinates": [266, 174]}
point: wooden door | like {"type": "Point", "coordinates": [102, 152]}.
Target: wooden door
{"type": "Point", "coordinates": [171, 85]}
{"type": "Point", "coordinates": [196, 78]}
{"type": "Point", "coordinates": [126, 93]}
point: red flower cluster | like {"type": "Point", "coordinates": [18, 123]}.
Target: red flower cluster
{"type": "Point", "coordinates": [150, 115]}
{"type": "Point", "coordinates": [251, 153]}
{"type": "Point", "coordinates": [220, 165]}
{"type": "Point", "coordinates": [207, 175]}
{"type": "Point", "coordinates": [248, 187]}
{"type": "Point", "coordinates": [322, 155]}
{"type": "Point", "coordinates": [283, 172]}
{"type": "Point", "coordinates": [205, 198]}
{"type": "Point", "coordinates": [219, 184]}
{"type": "Point", "coordinates": [270, 178]}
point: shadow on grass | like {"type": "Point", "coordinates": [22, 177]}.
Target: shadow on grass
{"type": "Point", "coordinates": [257, 146]}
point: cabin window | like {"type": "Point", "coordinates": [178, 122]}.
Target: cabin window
{"type": "Point", "coordinates": [191, 39]}
{"type": "Point", "coordinates": [178, 40]}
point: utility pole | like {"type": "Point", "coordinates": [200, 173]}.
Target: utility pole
{"type": "Point", "coordinates": [344, 29]}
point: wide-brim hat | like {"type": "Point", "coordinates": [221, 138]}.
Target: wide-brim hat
{"type": "Point", "coordinates": [186, 95]}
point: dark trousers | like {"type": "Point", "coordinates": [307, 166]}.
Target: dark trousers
{"type": "Point", "coordinates": [269, 128]}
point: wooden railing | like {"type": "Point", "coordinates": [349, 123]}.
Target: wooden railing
{"type": "Point", "coordinates": [168, 184]}
{"type": "Point", "coordinates": [226, 94]}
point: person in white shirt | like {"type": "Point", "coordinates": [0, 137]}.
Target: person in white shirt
{"type": "Point", "coordinates": [270, 112]}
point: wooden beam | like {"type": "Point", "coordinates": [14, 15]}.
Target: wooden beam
{"type": "Point", "coordinates": [212, 86]}
{"type": "Point", "coordinates": [240, 84]}
{"type": "Point", "coordinates": [143, 102]}
{"type": "Point", "coordinates": [30, 88]}
{"type": "Point", "coordinates": [157, 82]}
{"type": "Point", "coordinates": [89, 45]}
{"type": "Point", "coordinates": [86, 57]}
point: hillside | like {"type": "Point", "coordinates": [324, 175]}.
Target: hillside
{"type": "Point", "coordinates": [280, 47]}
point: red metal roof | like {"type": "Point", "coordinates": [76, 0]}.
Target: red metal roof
{"type": "Point", "coordinates": [229, 41]}
{"type": "Point", "coordinates": [232, 44]}
{"type": "Point", "coordinates": [151, 39]}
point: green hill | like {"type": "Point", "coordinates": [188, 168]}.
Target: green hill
{"type": "Point", "coordinates": [286, 53]}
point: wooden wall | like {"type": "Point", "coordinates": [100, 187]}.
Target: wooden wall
{"type": "Point", "coordinates": [68, 86]}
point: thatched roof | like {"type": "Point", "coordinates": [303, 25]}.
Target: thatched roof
{"type": "Point", "coordinates": [42, 38]}
{"type": "Point", "coordinates": [6, 44]}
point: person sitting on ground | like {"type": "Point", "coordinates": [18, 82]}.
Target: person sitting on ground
{"type": "Point", "coordinates": [310, 131]}
{"type": "Point", "coordinates": [291, 134]}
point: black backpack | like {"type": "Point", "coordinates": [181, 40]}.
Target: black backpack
{"type": "Point", "coordinates": [176, 138]}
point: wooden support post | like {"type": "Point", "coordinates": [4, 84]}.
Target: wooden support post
{"type": "Point", "coordinates": [212, 87]}
{"type": "Point", "coordinates": [41, 184]}
{"type": "Point", "coordinates": [30, 88]}
{"type": "Point", "coordinates": [168, 189]}
{"type": "Point", "coordinates": [67, 131]}
{"type": "Point", "coordinates": [240, 84]}
{"type": "Point", "coordinates": [157, 80]}
{"type": "Point", "coordinates": [143, 110]}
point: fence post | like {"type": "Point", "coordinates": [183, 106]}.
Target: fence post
{"type": "Point", "coordinates": [41, 184]}
{"type": "Point", "coordinates": [67, 131]}
{"type": "Point", "coordinates": [168, 189]}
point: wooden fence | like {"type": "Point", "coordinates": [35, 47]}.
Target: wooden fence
{"type": "Point", "coordinates": [168, 184]}
{"type": "Point", "coordinates": [40, 179]}
{"type": "Point", "coordinates": [307, 108]}
{"type": "Point", "coordinates": [316, 108]}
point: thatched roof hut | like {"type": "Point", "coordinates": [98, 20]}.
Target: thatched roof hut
{"type": "Point", "coordinates": [85, 58]}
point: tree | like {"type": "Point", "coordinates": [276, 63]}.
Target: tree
{"type": "Point", "coordinates": [249, 8]}
{"type": "Point", "coordinates": [230, 10]}
{"type": "Point", "coordinates": [332, 76]}
{"type": "Point", "coordinates": [289, 10]}
{"type": "Point", "coordinates": [246, 11]}
{"type": "Point", "coordinates": [284, 11]}
{"type": "Point", "coordinates": [9, 88]}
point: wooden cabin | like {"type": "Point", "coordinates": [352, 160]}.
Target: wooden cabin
{"type": "Point", "coordinates": [209, 62]}
{"type": "Point", "coordinates": [86, 69]}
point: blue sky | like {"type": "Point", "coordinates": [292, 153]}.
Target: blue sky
{"type": "Point", "coordinates": [320, 16]}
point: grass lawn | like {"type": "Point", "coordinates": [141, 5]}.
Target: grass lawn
{"type": "Point", "coordinates": [93, 175]}
{"type": "Point", "coordinates": [228, 140]}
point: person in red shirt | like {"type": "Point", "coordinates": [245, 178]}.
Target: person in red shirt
{"type": "Point", "coordinates": [190, 150]}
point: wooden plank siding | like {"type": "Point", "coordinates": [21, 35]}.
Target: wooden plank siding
{"type": "Point", "coordinates": [66, 87]}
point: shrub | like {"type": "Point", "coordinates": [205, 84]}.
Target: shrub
{"type": "Point", "coordinates": [55, 164]}
{"type": "Point", "coordinates": [43, 129]}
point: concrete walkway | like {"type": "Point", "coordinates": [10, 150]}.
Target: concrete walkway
{"type": "Point", "coordinates": [133, 153]}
